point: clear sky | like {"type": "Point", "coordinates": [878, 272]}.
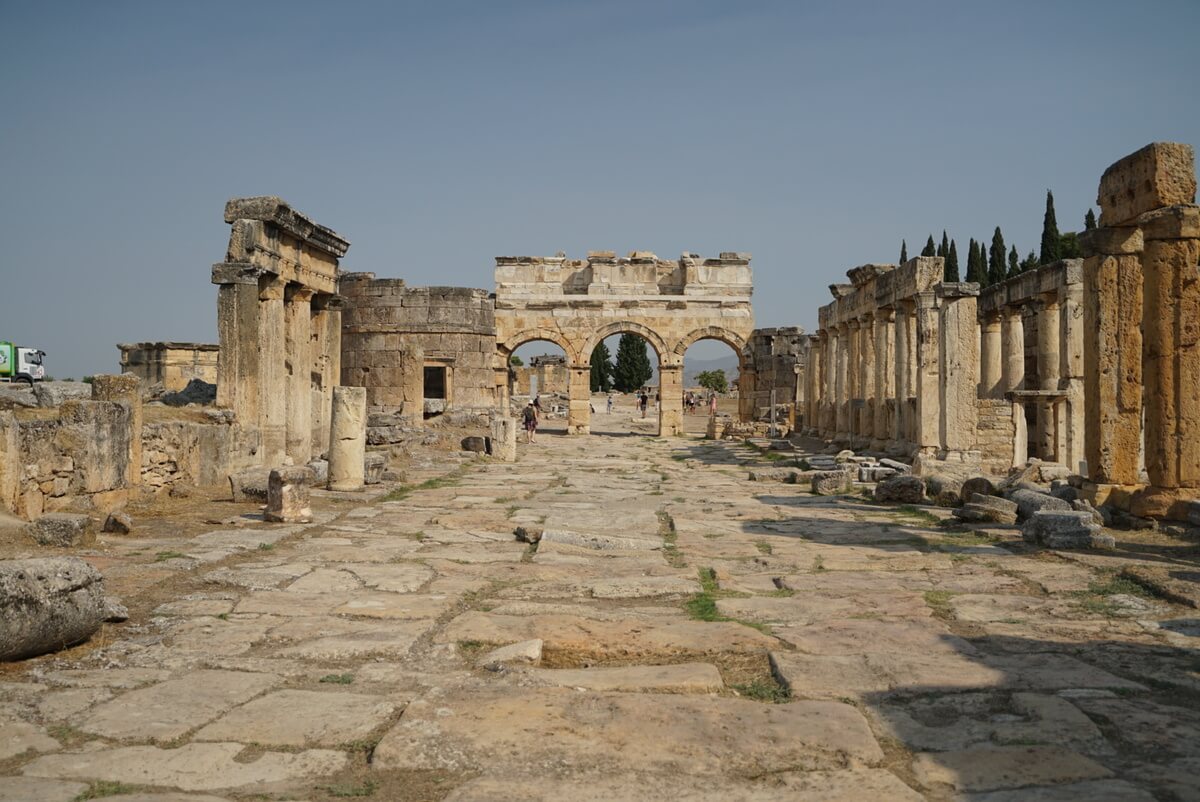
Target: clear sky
{"type": "Point", "coordinates": [437, 135]}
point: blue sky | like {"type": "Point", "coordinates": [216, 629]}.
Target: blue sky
{"type": "Point", "coordinates": [436, 136]}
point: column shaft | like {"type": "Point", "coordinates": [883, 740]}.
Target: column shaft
{"type": "Point", "coordinates": [1049, 372]}
{"type": "Point", "coordinates": [670, 390]}
{"type": "Point", "coordinates": [1070, 343]}
{"type": "Point", "coordinates": [299, 361]}
{"type": "Point", "coordinates": [991, 358]}
{"type": "Point", "coordinates": [272, 373]}
{"type": "Point", "coordinates": [885, 374]}
{"type": "Point", "coordinates": [958, 327]}
{"type": "Point", "coordinates": [900, 419]}
{"type": "Point", "coordinates": [928, 372]}
{"type": "Point", "coordinates": [1013, 335]}
{"type": "Point", "coordinates": [866, 378]}
{"type": "Point", "coordinates": [579, 397]}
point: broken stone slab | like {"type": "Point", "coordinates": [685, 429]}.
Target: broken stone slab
{"type": "Point", "coordinates": [899, 467]}
{"type": "Point", "coordinates": [374, 465]}
{"type": "Point", "coordinates": [47, 604]}
{"type": "Point", "coordinates": [788, 475]}
{"type": "Point", "coordinates": [250, 485]}
{"type": "Point", "coordinates": [475, 444]}
{"type": "Point", "coordinates": [118, 523]}
{"type": "Point", "coordinates": [874, 473]}
{"type": "Point", "coordinates": [987, 509]}
{"type": "Point", "coordinates": [197, 391]}
{"type": "Point", "coordinates": [1028, 502]}
{"type": "Point", "coordinates": [674, 678]}
{"type": "Point", "coordinates": [320, 470]}
{"type": "Point", "coordinates": [977, 484]}
{"type": "Point", "coordinates": [943, 489]}
{"type": "Point", "coordinates": [53, 394]}
{"type": "Point", "coordinates": [902, 489]}
{"type": "Point", "coordinates": [1071, 529]}
{"type": "Point", "coordinates": [16, 396]}
{"type": "Point", "coordinates": [288, 496]}
{"type": "Point", "coordinates": [1083, 505]}
{"type": "Point", "coordinates": [192, 767]}
{"type": "Point", "coordinates": [599, 542]}
{"type": "Point", "coordinates": [62, 529]}
{"type": "Point", "coordinates": [526, 651]}
{"type": "Point", "coordinates": [1000, 767]}
{"type": "Point", "coordinates": [301, 718]}
{"type": "Point", "coordinates": [832, 483]}
{"type": "Point", "coordinates": [40, 789]}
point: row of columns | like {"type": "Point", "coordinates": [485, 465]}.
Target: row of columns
{"type": "Point", "coordinates": [893, 377]}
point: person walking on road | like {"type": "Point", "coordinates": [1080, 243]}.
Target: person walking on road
{"type": "Point", "coordinates": [529, 419]}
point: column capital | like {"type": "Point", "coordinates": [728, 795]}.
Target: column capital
{"type": "Point", "coordinates": [1111, 241]}
{"type": "Point", "coordinates": [272, 289]}
{"type": "Point", "coordinates": [298, 293]}
{"type": "Point", "coordinates": [237, 273]}
{"type": "Point", "coordinates": [1171, 222]}
{"type": "Point", "coordinates": [885, 314]}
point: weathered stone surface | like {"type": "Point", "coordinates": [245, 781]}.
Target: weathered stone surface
{"type": "Point", "coordinates": [250, 485]}
{"type": "Point", "coordinates": [977, 484]}
{"type": "Point", "coordinates": [119, 523]}
{"type": "Point", "coordinates": [301, 718]}
{"type": "Point", "coordinates": [624, 732]}
{"type": "Point", "coordinates": [943, 489]}
{"type": "Point", "coordinates": [899, 467]}
{"type": "Point", "coordinates": [474, 444]}
{"type": "Point", "coordinates": [902, 489]}
{"type": "Point", "coordinates": [62, 529]}
{"type": "Point", "coordinates": [503, 441]}
{"type": "Point", "coordinates": [832, 483]}
{"type": "Point", "coordinates": [987, 509]}
{"type": "Point", "coordinates": [1091, 790]}
{"type": "Point", "coordinates": [169, 709]}
{"type": "Point", "coordinates": [17, 396]}
{"type": "Point", "coordinates": [347, 443]}
{"type": "Point", "coordinates": [53, 394]}
{"type": "Point", "coordinates": [192, 767]}
{"type": "Point", "coordinates": [1028, 502]}
{"type": "Point", "coordinates": [21, 737]}
{"type": "Point", "coordinates": [39, 789]}
{"type": "Point", "coordinates": [1066, 530]}
{"type": "Point", "coordinates": [528, 651]}
{"type": "Point", "coordinates": [287, 495]}
{"type": "Point", "coordinates": [374, 465]}
{"type": "Point", "coordinates": [994, 768]}
{"type": "Point", "coordinates": [1160, 174]}
{"type": "Point", "coordinates": [48, 603]}
{"type": "Point", "coordinates": [675, 678]}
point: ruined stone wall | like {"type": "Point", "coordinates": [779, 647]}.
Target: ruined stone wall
{"type": "Point", "coordinates": [194, 453]}
{"type": "Point", "coordinates": [550, 371]}
{"type": "Point", "coordinates": [392, 332]}
{"type": "Point", "coordinates": [171, 364]}
{"type": "Point", "coordinates": [775, 360]}
{"type": "Point", "coordinates": [73, 458]}
{"type": "Point", "coordinates": [996, 435]}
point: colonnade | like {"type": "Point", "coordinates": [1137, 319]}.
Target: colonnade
{"type": "Point", "coordinates": [279, 324]}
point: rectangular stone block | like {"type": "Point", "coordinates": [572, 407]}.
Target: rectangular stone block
{"type": "Point", "coordinates": [1160, 174]}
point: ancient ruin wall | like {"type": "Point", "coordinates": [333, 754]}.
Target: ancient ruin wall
{"type": "Point", "coordinates": [392, 333]}
{"type": "Point", "coordinates": [775, 360]}
{"type": "Point", "coordinates": [170, 364]}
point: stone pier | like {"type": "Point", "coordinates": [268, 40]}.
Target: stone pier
{"type": "Point", "coordinates": [279, 267]}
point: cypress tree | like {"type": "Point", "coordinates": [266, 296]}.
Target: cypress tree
{"type": "Point", "coordinates": [633, 365]}
{"type": "Point", "coordinates": [973, 264]}
{"type": "Point", "coordinates": [1050, 238]}
{"type": "Point", "coordinates": [996, 257]}
{"type": "Point", "coordinates": [930, 249]}
{"type": "Point", "coordinates": [1068, 246]}
{"type": "Point", "coordinates": [944, 248]}
{"type": "Point", "coordinates": [903, 251]}
{"type": "Point", "coordinates": [1030, 262]}
{"type": "Point", "coordinates": [1089, 220]}
{"type": "Point", "coordinates": [602, 368]}
{"type": "Point", "coordinates": [951, 273]}
{"type": "Point", "coordinates": [1014, 262]}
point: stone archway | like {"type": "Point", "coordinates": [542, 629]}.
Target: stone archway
{"type": "Point", "coordinates": [506, 346]}
{"type": "Point", "coordinates": [575, 303]}
{"type": "Point", "coordinates": [745, 375]}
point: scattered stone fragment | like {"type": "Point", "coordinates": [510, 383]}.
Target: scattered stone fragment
{"type": "Point", "coordinates": [899, 467]}
{"type": "Point", "coordinates": [118, 522]}
{"type": "Point", "coordinates": [288, 496]}
{"type": "Point", "coordinates": [977, 484]}
{"type": "Point", "coordinates": [374, 465]}
{"type": "Point", "coordinates": [1028, 502]}
{"type": "Point", "coordinates": [902, 489]}
{"type": "Point", "coordinates": [943, 489]}
{"type": "Point", "coordinates": [1066, 530]}
{"type": "Point", "coordinates": [832, 483]}
{"type": "Point", "coordinates": [987, 509]}
{"type": "Point", "coordinates": [250, 485]}
{"type": "Point", "coordinates": [62, 529]}
{"type": "Point", "coordinates": [47, 604]}
{"type": "Point", "coordinates": [527, 651]}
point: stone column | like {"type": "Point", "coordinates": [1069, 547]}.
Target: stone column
{"type": "Point", "coordinates": [991, 365]}
{"type": "Point", "coordinates": [1070, 342]}
{"type": "Point", "coordinates": [272, 384]}
{"type": "Point", "coordinates": [928, 374]}
{"type": "Point", "coordinates": [327, 330]}
{"type": "Point", "coordinates": [885, 375]}
{"type": "Point", "coordinates": [1013, 337]}
{"type": "Point", "coordinates": [348, 438]}
{"type": "Point", "coordinates": [958, 327]}
{"type": "Point", "coordinates": [843, 383]}
{"type": "Point", "coordinates": [238, 311]}
{"type": "Point", "coordinates": [816, 381]}
{"type": "Point", "coordinates": [829, 415]}
{"type": "Point", "coordinates": [125, 388]}
{"type": "Point", "coordinates": [670, 391]}
{"type": "Point", "coordinates": [853, 389]}
{"type": "Point", "coordinates": [299, 362]}
{"type": "Point", "coordinates": [579, 398]}
{"type": "Point", "coordinates": [504, 438]}
{"type": "Point", "coordinates": [1049, 374]}
{"type": "Point", "coordinates": [900, 420]}
{"type": "Point", "coordinates": [1112, 354]}
{"type": "Point", "coordinates": [866, 379]}
{"type": "Point", "coordinates": [1171, 328]}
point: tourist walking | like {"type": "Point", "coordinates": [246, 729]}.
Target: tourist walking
{"type": "Point", "coordinates": [610, 403]}
{"type": "Point", "coordinates": [530, 421]}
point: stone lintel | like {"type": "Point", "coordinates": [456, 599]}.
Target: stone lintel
{"type": "Point", "coordinates": [168, 346]}
{"type": "Point", "coordinates": [1111, 241]}
{"type": "Point", "coordinates": [859, 276]}
{"type": "Point", "coordinates": [840, 290]}
{"type": "Point", "coordinates": [1171, 222]}
{"type": "Point", "coordinates": [956, 289]}
{"type": "Point", "coordinates": [325, 302]}
{"type": "Point", "coordinates": [275, 210]}
{"type": "Point", "coordinates": [1160, 174]}
{"type": "Point", "coordinates": [1031, 285]}
{"type": "Point", "coordinates": [1021, 395]}
{"type": "Point", "coordinates": [239, 273]}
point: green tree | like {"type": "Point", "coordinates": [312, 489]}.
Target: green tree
{"type": "Point", "coordinates": [713, 380]}
{"type": "Point", "coordinates": [903, 251]}
{"type": "Point", "coordinates": [602, 368]}
{"type": "Point", "coordinates": [1030, 262]}
{"type": "Point", "coordinates": [975, 269]}
{"type": "Point", "coordinates": [516, 361]}
{"type": "Point", "coordinates": [929, 249]}
{"type": "Point", "coordinates": [1014, 262]}
{"type": "Point", "coordinates": [951, 271]}
{"type": "Point", "coordinates": [944, 249]}
{"type": "Point", "coordinates": [633, 365]}
{"type": "Point", "coordinates": [1089, 220]}
{"type": "Point", "coordinates": [996, 257]}
{"type": "Point", "coordinates": [1068, 246]}
{"type": "Point", "coordinates": [1050, 239]}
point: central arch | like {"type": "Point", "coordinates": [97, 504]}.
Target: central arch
{"type": "Point", "coordinates": [655, 341]}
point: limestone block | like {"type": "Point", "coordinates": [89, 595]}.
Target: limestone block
{"type": "Point", "coordinates": [1066, 530]}
{"type": "Point", "coordinates": [119, 522]}
{"type": "Point", "coordinates": [62, 529]}
{"type": "Point", "coordinates": [1030, 501]}
{"type": "Point", "coordinates": [287, 495]}
{"type": "Point", "coordinates": [943, 488]}
{"type": "Point", "coordinates": [977, 484]}
{"type": "Point", "coordinates": [347, 441]}
{"type": "Point", "coordinates": [984, 509]}
{"type": "Point", "coordinates": [832, 483]}
{"type": "Point", "coordinates": [528, 652]}
{"type": "Point", "coordinates": [53, 394]}
{"type": "Point", "coordinates": [250, 485]}
{"type": "Point", "coordinates": [475, 444]}
{"type": "Point", "coordinates": [374, 465]}
{"type": "Point", "coordinates": [1160, 174]}
{"type": "Point", "coordinates": [903, 489]}
{"type": "Point", "coordinates": [503, 441]}
{"type": "Point", "coordinates": [47, 604]}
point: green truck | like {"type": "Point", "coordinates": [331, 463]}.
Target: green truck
{"type": "Point", "coordinates": [19, 364]}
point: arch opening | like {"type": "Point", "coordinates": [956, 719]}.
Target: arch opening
{"type": "Point", "coordinates": [713, 372]}
{"type": "Point", "coordinates": [623, 384]}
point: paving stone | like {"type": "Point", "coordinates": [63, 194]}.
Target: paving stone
{"type": "Point", "coordinates": [394, 577]}
{"type": "Point", "coordinates": [994, 768]}
{"type": "Point", "coordinates": [167, 710]}
{"type": "Point", "coordinates": [529, 651]}
{"type": "Point", "coordinates": [21, 737]}
{"type": "Point", "coordinates": [325, 580]}
{"type": "Point", "coordinates": [1091, 790]}
{"type": "Point", "coordinates": [58, 705]}
{"type": "Point", "coordinates": [394, 641]}
{"type": "Point", "coordinates": [396, 605]}
{"type": "Point", "coordinates": [642, 587]}
{"type": "Point", "coordinates": [301, 718]}
{"type": "Point", "coordinates": [675, 678]}
{"type": "Point", "coordinates": [191, 767]}
{"type": "Point", "coordinates": [621, 732]}
{"type": "Point", "coordinates": [38, 789]}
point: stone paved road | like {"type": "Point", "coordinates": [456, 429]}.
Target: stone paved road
{"type": "Point", "coordinates": [682, 633]}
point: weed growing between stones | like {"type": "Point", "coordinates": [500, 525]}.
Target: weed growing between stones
{"type": "Point", "coordinates": [346, 790]}
{"type": "Point", "coordinates": [917, 515]}
{"type": "Point", "coordinates": [939, 603]}
{"type": "Point", "coordinates": [163, 556]}
{"type": "Point", "coordinates": [337, 679]}
{"type": "Point", "coordinates": [703, 605]}
{"type": "Point", "coordinates": [103, 788]}
{"type": "Point", "coordinates": [764, 547]}
{"type": "Point", "coordinates": [761, 690]}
